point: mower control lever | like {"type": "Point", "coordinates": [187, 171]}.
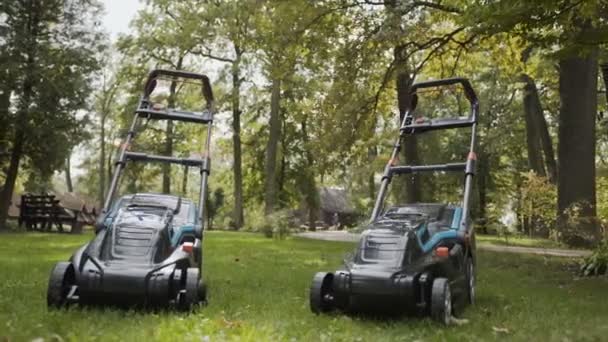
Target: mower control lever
{"type": "Point", "coordinates": [156, 73]}
{"type": "Point", "coordinates": [176, 115]}
{"type": "Point", "coordinates": [466, 85]}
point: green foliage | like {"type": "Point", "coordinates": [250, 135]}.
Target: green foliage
{"type": "Point", "coordinates": [602, 200]}
{"type": "Point", "coordinates": [537, 202]}
{"type": "Point", "coordinates": [596, 263]}
{"type": "Point", "coordinates": [214, 204]}
{"type": "Point", "coordinates": [49, 66]}
{"type": "Point", "coordinates": [277, 225]}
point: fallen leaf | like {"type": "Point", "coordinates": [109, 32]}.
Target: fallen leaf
{"type": "Point", "coordinates": [458, 321]}
{"type": "Point", "coordinates": [501, 330]}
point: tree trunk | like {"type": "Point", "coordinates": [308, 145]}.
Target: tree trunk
{"type": "Point", "coordinates": [533, 108]}
{"type": "Point", "coordinates": [482, 186]}
{"type": "Point", "coordinates": [372, 153]}
{"type": "Point", "coordinates": [311, 194]}
{"type": "Point", "coordinates": [238, 217]}
{"type": "Point", "coordinates": [185, 181]}
{"type": "Point", "coordinates": [409, 151]}
{"type": "Point", "coordinates": [576, 150]}
{"type": "Point", "coordinates": [68, 173]}
{"type": "Point", "coordinates": [102, 159]}
{"type": "Point", "coordinates": [604, 67]}
{"type": "Point", "coordinates": [535, 158]}
{"type": "Point", "coordinates": [166, 168]}
{"type": "Point", "coordinates": [270, 187]}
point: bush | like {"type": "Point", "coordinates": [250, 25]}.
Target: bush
{"type": "Point", "coordinates": [597, 262]}
{"type": "Point", "coordinates": [275, 225]}
{"type": "Point", "coordinates": [538, 203]}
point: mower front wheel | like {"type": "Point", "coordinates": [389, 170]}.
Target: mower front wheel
{"type": "Point", "coordinates": [441, 301]}
{"type": "Point", "coordinates": [60, 283]}
{"type": "Point", "coordinates": [471, 279]}
{"type": "Point", "coordinates": [190, 295]}
{"type": "Point", "coordinates": [202, 294]}
{"type": "Point", "coordinates": [321, 294]}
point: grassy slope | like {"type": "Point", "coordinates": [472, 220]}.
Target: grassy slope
{"type": "Point", "coordinates": [259, 290]}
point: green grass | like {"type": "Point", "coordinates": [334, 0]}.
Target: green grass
{"type": "Point", "coordinates": [259, 292]}
{"type": "Point", "coordinates": [519, 240]}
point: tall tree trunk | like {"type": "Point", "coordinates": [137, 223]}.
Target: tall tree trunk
{"type": "Point", "coordinates": [372, 153]}
{"type": "Point", "coordinates": [5, 122]}
{"type": "Point", "coordinates": [604, 67]}
{"type": "Point", "coordinates": [23, 113]}
{"type": "Point", "coordinates": [576, 150]}
{"type": "Point", "coordinates": [311, 195]}
{"type": "Point", "coordinates": [534, 110]}
{"type": "Point", "coordinates": [166, 168]}
{"type": "Point", "coordinates": [409, 151]}
{"type": "Point", "coordinates": [535, 158]}
{"type": "Point", "coordinates": [5, 104]}
{"type": "Point", "coordinates": [404, 81]}
{"type": "Point", "coordinates": [68, 173]}
{"type": "Point", "coordinates": [185, 181]}
{"type": "Point", "coordinates": [102, 159]}
{"type": "Point", "coordinates": [270, 187]}
{"type": "Point", "coordinates": [482, 186]}
{"type": "Point", "coordinates": [238, 217]}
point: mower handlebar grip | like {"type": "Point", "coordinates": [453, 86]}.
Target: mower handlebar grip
{"type": "Point", "coordinates": [206, 84]}
{"type": "Point", "coordinates": [466, 85]}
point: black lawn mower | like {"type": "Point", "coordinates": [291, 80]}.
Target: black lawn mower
{"type": "Point", "coordinates": [148, 247]}
{"type": "Point", "coordinates": [415, 258]}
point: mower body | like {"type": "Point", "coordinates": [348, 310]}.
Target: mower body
{"type": "Point", "coordinates": [412, 258]}
{"type": "Point", "coordinates": [133, 260]}
{"type": "Point", "coordinates": [396, 261]}
{"type": "Point", "coordinates": [148, 247]}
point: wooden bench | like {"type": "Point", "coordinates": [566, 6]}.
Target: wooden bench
{"type": "Point", "coordinates": [45, 212]}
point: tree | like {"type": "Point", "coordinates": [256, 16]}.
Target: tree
{"type": "Point", "coordinates": [164, 38]}
{"type": "Point", "coordinates": [52, 46]}
{"type": "Point", "coordinates": [576, 29]}
{"type": "Point", "coordinates": [104, 105]}
{"type": "Point", "coordinates": [234, 29]}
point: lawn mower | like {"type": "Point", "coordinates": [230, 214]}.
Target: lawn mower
{"type": "Point", "coordinates": [413, 258]}
{"type": "Point", "coordinates": [148, 247]}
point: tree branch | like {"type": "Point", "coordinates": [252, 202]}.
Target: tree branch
{"type": "Point", "coordinates": [208, 54]}
{"type": "Point", "coordinates": [437, 6]}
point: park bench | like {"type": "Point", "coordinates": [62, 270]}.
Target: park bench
{"type": "Point", "coordinates": [45, 212]}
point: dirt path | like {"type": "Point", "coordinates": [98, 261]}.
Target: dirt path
{"type": "Point", "coordinates": [352, 237]}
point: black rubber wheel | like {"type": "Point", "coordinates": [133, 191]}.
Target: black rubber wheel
{"type": "Point", "coordinates": [441, 301]}
{"type": "Point", "coordinates": [60, 283]}
{"type": "Point", "coordinates": [471, 279]}
{"type": "Point", "coordinates": [190, 295]}
{"type": "Point", "coordinates": [321, 294]}
{"type": "Point", "coordinates": [202, 294]}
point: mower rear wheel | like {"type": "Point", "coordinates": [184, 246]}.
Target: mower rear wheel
{"type": "Point", "coordinates": [321, 292]}
{"type": "Point", "coordinates": [60, 283]}
{"type": "Point", "coordinates": [190, 294]}
{"type": "Point", "coordinates": [441, 301]}
{"type": "Point", "coordinates": [471, 279]}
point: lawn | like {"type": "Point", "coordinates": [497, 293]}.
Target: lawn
{"type": "Point", "coordinates": [519, 241]}
{"type": "Point", "coordinates": [259, 292]}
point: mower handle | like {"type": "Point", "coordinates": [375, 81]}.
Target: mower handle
{"type": "Point", "coordinates": [206, 84]}
{"type": "Point", "coordinates": [466, 85]}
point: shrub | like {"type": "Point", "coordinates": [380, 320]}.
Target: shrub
{"type": "Point", "coordinates": [275, 225]}
{"type": "Point", "coordinates": [597, 262]}
{"type": "Point", "coordinates": [538, 203]}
